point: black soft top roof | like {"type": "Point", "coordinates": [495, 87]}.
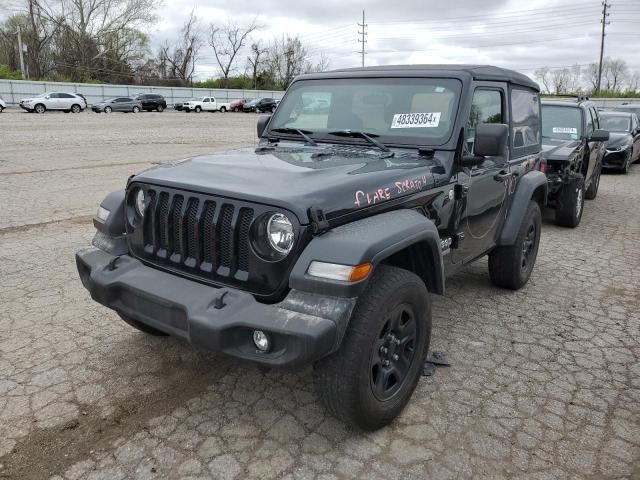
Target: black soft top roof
{"type": "Point", "coordinates": [477, 72]}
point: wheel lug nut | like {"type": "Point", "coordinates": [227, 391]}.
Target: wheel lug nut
{"type": "Point", "coordinates": [395, 358]}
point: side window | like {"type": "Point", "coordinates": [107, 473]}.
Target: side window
{"type": "Point", "coordinates": [486, 107]}
{"type": "Point", "coordinates": [525, 115]}
{"type": "Point", "coordinates": [54, 95]}
{"type": "Point", "coordinates": [590, 123]}
{"type": "Point", "coordinates": [596, 118]}
{"type": "Point", "coordinates": [207, 100]}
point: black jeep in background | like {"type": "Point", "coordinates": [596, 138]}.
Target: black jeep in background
{"type": "Point", "coordinates": [573, 148]}
{"type": "Point", "coordinates": [321, 246]}
{"type": "Point", "coordinates": [152, 102]}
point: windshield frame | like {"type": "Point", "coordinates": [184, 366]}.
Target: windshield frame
{"type": "Point", "coordinates": [388, 140]}
{"type": "Point", "coordinates": [581, 113]}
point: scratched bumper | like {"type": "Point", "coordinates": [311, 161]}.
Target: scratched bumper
{"type": "Point", "coordinates": [303, 327]}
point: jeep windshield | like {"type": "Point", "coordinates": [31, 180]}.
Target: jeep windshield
{"type": "Point", "coordinates": [561, 123]}
{"type": "Point", "coordinates": [396, 111]}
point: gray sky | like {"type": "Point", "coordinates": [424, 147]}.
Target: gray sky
{"type": "Point", "coordinates": [508, 33]}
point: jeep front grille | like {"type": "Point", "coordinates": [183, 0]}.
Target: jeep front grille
{"type": "Point", "coordinates": [204, 236]}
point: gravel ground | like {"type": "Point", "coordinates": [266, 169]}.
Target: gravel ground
{"type": "Point", "coordinates": [544, 382]}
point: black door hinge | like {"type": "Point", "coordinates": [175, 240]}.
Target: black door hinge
{"type": "Point", "coordinates": [319, 222]}
{"type": "Point", "coordinates": [460, 191]}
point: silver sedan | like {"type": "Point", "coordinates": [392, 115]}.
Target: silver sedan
{"type": "Point", "coordinates": [118, 104]}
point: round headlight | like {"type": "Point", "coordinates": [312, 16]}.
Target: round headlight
{"type": "Point", "coordinates": [280, 233]}
{"type": "Point", "coordinates": [140, 202]}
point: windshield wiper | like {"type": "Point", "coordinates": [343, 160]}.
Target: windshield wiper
{"type": "Point", "coordinates": [366, 136]}
{"type": "Point", "coordinates": [303, 133]}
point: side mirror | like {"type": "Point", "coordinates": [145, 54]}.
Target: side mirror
{"type": "Point", "coordinates": [599, 136]}
{"type": "Point", "coordinates": [47, 97]}
{"type": "Point", "coordinates": [262, 124]}
{"type": "Point", "coordinates": [491, 139]}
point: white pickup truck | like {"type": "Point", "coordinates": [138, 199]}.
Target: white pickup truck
{"type": "Point", "coordinates": [207, 104]}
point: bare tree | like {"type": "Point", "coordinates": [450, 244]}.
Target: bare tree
{"type": "Point", "coordinates": [178, 60]}
{"type": "Point", "coordinates": [542, 74]}
{"type": "Point", "coordinates": [256, 60]}
{"type": "Point", "coordinates": [226, 42]}
{"type": "Point", "coordinates": [560, 79]}
{"type": "Point", "coordinates": [590, 74]}
{"type": "Point", "coordinates": [633, 82]}
{"type": "Point", "coordinates": [615, 74]}
{"type": "Point", "coordinates": [287, 59]}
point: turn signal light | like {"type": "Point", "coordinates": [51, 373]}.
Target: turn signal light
{"type": "Point", "coordinates": [360, 272]}
{"type": "Point", "coordinates": [344, 273]}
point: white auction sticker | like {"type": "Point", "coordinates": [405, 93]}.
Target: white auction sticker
{"type": "Point", "coordinates": [565, 130]}
{"type": "Point", "coordinates": [416, 120]}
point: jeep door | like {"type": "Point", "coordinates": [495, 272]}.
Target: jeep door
{"type": "Point", "coordinates": [485, 185]}
{"type": "Point", "coordinates": [595, 148]}
{"type": "Point", "coordinates": [635, 132]}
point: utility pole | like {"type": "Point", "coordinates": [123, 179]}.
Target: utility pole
{"type": "Point", "coordinates": [21, 53]}
{"type": "Point", "coordinates": [604, 21]}
{"type": "Point", "coordinates": [363, 35]}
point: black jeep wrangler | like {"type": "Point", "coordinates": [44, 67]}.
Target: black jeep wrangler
{"type": "Point", "coordinates": [321, 246]}
{"type": "Point", "coordinates": [572, 150]}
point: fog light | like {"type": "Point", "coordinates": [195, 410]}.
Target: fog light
{"type": "Point", "coordinates": [261, 340]}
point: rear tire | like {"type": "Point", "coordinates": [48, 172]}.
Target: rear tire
{"type": "Point", "coordinates": [571, 203]}
{"type": "Point", "coordinates": [143, 327]}
{"type": "Point", "coordinates": [160, 108]}
{"type": "Point", "coordinates": [76, 108]}
{"type": "Point", "coordinates": [592, 191]}
{"type": "Point", "coordinates": [510, 266]}
{"type": "Point", "coordinates": [372, 376]}
{"type": "Point", "coordinates": [223, 109]}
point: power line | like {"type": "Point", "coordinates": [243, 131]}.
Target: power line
{"type": "Point", "coordinates": [363, 35]}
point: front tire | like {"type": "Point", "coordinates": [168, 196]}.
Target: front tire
{"type": "Point", "coordinates": [160, 108]}
{"type": "Point", "coordinates": [136, 110]}
{"type": "Point", "coordinates": [40, 108]}
{"type": "Point", "coordinates": [510, 266]}
{"type": "Point", "coordinates": [198, 109]}
{"type": "Point", "coordinates": [627, 166]}
{"type": "Point", "coordinates": [571, 203]}
{"type": "Point", "coordinates": [372, 376]}
{"type": "Point", "coordinates": [108, 109]}
{"type": "Point", "coordinates": [143, 327]}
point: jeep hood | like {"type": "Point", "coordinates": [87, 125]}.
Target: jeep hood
{"type": "Point", "coordinates": [619, 140]}
{"type": "Point", "coordinates": [297, 179]}
{"type": "Point", "coordinates": [553, 149]}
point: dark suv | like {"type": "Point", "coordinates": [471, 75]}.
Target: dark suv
{"type": "Point", "coordinates": [321, 245]}
{"type": "Point", "coordinates": [623, 148]}
{"type": "Point", "coordinates": [152, 102]}
{"type": "Point", "coordinates": [265, 105]}
{"type": "Point", "coordinates": [573, 148]}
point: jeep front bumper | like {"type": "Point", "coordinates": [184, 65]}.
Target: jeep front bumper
{"type": "Point", "coordinates": [303, 328]}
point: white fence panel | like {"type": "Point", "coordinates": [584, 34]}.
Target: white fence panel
{"type": "Point", "coordinates": [14, 90]}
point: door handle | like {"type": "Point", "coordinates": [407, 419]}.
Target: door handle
{"type": "Point", "coordinates": [502, 177]}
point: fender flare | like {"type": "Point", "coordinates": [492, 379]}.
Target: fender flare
{"type": "Point", "coordinates": [114, 225]}
{"type": "Point", "coordinates": [532, 185]}
{"type": "Point", "coordinates": [370, 240]}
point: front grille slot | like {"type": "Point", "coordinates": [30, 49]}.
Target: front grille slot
{"type": "Point", "coordinates": [199, 236]}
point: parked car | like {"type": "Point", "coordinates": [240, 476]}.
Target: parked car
{"type": "Point", "coordinates": [207, 104]}
{"type": "Point", "coordinates": [67, 102]}
{"type": "Point", "coordinates": [321, 248]}
{"type": "Point", "coordinates": [152, 101]}
{"type": "Point", "coordinates": [238, 105]}
{"type": "Point", "coordinates": [180, 105]}
{"type": "Point", "coordinates": [572, 149]}
{"type": "Point", "coordinates": [623, 147]}
{"type": "Point", "coordinates": [249, 106]}
{"type": "Point", "coordinates": [317, 105]}
{"type": "Point", "coordinates": [266, 105]}
{"type": "Point", "coordinates": [3, 105]}
{"type": "Point", "coordinates": [118, 104]}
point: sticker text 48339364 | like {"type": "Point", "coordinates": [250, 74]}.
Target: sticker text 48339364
{"type": "Point", "coordinates": [416, 120]}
